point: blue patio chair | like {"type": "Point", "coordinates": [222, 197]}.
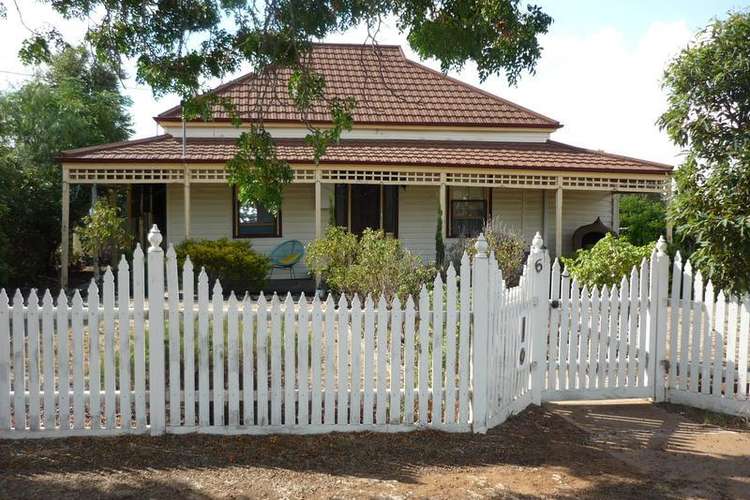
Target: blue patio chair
{"type": "Point", "coordinates": [286, 255]}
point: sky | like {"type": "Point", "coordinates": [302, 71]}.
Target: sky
{"type": "Point", "coordinates": [599, 74]}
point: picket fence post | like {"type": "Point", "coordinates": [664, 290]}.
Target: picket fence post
{"type": "Point", "coordinates": [538, 273]}
{"type": "Point", "coordinates": [480, 374]}
{"type": "Point", "coordinates": [660, 278]}
{"type": "Point", "coordinates": [156, 384]}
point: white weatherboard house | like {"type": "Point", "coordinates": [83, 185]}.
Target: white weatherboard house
{"type": "Point", "coordinates": [421, 142]}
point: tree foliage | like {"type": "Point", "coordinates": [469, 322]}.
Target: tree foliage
{"type": "Point", "coordinates": [104, 231]}
{"type": "Point", "coordinates": [708, 87]}
{"type": "Point", "coordinates": [179, 47]}
{"type": "Point", "coordinates": [606, 262]}
{"type": "Point", "coordinates": [643, 218]}
{"type": "Point", "coordinates": [72, 101]}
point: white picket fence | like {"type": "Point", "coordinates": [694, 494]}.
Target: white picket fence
{"type": "Point", "coordinates": [131, 361]}
{"type": "Point", "coordinates": [159, 357]}
{"type": "Point", "coordinates": [708, 345]}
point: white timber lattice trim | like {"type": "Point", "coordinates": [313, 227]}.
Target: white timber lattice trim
{"type": "Point", "coordinates": [374, 176]}
{"type": "Point", "coordinates": [209, 173]}
{"type": "Point", "coordinates": [136, 175]}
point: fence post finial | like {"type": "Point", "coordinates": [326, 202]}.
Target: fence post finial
{"type": "Point", "coordinates": [537, 243]}
{"type": "Point", "coordinates": [661, 245]}
{"type": "Point", "coordinates": [154, 238]}
{"type": "Point", "coordinates": [481, 246]}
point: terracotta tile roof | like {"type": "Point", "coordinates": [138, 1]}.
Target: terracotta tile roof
{"type": "Point", "coordinates": [549, 155]}
{"type": "Point", "coordinates": [389, 88]}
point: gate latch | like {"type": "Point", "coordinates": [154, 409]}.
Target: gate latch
{"type": "Point", "coordinates": [554, 303]}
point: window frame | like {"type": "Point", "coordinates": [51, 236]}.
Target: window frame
{"type": "Point", "coordinates": [277, 232]}
{"type": "Point", "coordinates": [487, 200]}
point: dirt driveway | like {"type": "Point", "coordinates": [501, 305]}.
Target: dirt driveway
{"type": "Point", "coordinates": [556, 451]}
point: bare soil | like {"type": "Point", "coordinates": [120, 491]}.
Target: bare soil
{"type": "Point", "coordinates": [540, 453]}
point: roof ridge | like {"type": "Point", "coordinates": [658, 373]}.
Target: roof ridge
{"type": "Point", "coordinates": [112, 145]}
{"type": "Point", "coordinates": [481, 91]}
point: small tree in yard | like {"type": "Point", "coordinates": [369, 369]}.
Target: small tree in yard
{"type": "Point", "coordinates": [439, 242]}
{"type": "Point", "coordinates": [708, 87]}
{"type": "Point", "coordinates": [103, 232]}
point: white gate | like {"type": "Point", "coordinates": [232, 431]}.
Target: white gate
{"type": "Point", "coordinates": [517, 325]}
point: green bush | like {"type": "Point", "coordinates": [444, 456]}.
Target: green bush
{"type": "Point", "coordinates": [508, 246]}
{"type": "Point", "coordinates": [233, 262]}
{"type": "Point", "coordinates": [372, 264]}
{"type": "Point", "coordinates": [607, 261]}
{"type": "Point", "coordinates": [643, 218]}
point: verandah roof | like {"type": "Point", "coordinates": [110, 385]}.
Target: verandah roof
{"type": "Point", "coordinates": [548, 155]}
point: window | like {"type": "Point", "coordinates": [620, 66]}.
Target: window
{"type": "Point", "coordinates": [468, 210]}
{"type": "Point", "coordinates": [254, 221]}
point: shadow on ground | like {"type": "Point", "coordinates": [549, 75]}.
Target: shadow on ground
{"type": "Point", "coordinates": [536, 453]}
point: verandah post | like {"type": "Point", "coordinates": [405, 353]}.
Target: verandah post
{"type": "Point", "coordinates": [480, 372]}
{"type": "Point", "coordinates": [156, 332]}
{"type": "Point", "coordinates": [538, 269]}
{"type": "Point", "coordinates": [660, 279]}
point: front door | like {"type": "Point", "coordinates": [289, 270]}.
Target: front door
{"type": "Point", "coordinates": [365, 211]}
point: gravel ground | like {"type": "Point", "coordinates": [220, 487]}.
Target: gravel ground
{"type": "Point", "coordinates": [535, 454]}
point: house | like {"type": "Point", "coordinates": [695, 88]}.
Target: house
{"type": "Point", "coordinates": [422, 141]}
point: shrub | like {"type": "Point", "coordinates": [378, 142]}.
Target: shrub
{"type": "Point", "coordinates": [508, 246]}
{"type": "Point", "coordinates": [372, 264]}
{"type": "Point", "coordinates": [607, 261]}
{"type": "Point", "coordinates": [233, 262]}
{"type": "Point", "coordinates": [643, 218]}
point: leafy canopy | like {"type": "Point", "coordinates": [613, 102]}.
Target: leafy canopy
{"type": "Point", "coordinates": [708, 88]}
{"type": "Point", "coordinates": [179, 47]}
{"type": "Point", "coordinates": [72, 101]}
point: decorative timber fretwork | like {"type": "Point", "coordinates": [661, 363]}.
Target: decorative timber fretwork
{"type": "Point", "coordinates": [125, 174]}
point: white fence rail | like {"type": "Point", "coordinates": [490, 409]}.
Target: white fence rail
{"type": "Point", "coordinates": [169, 359]}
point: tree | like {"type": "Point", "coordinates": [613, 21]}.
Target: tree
{"type": "Point", "coordinates": [180, 46]}
{"type": "Point", "coordinates": [72, 101]}
{"type": "Point", "coordinates": [643, 218]}
{"type": "Point", "coordinates": [708, 114]}
{"type": "Point", "coordinates": [104, 233]}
